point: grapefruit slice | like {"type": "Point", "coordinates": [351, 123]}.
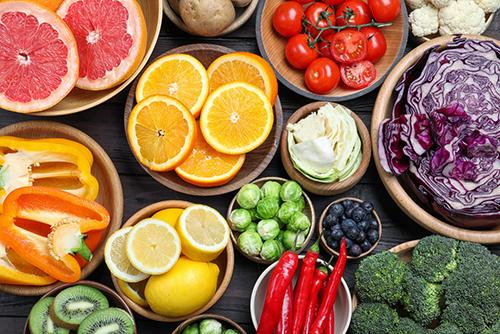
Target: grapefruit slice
{"type": "Point", "coordinates": [111, 39]}
{"type": "Point", "coordinates": [39, 62]}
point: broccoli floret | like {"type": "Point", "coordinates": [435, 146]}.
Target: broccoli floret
{"type": "Point", "coordinates": [468, 252]}
{"type": "Point", "coordinates": [446, 328]}
{"type": "Point", "coordinates": [495, 329]}
{"type": "Point", "coordinates": [434, 258]}
{"type": "Point", "coordinates": [374, 318]}
{"type": "Point", "coordinates": [468, 318]}
{"type": "Point", "coordinates": [380, 278]}
{"type": "Point", "coordinates": [408, 326]}
{"type": "Point", "coordinates": [422, 299]}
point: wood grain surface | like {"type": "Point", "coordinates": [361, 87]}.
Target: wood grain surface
{"type": "Point", "coordinates": [105, 124]}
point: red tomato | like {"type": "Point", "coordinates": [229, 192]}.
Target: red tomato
{"type": "Point", "coordinates": [384, 10]}
{"type": "Point", "coordinates": [353, 12]}
{"type": "Point", "coordinates": [375, 45]}
{"type": "Point", "coordinates": [314, 13]}
{"type": "Point", "coordinates": [322, 75]}
{"type": "Point", "coordinates": [298, 52]}
{"type": "Point", "coordinates": [303, 2]}
{"type": "Point", "coordinates": [348, 46]}
{"type": "Point", "coordinates": [324, 46]}
{"type": "Point", "coordinates": [332, 2]}
{"type": "Point", "coordinates": [358, 75]}
{"type": "Point", "coordinates": [287, 18]}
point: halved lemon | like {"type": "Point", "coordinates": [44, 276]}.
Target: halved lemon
{"type": "Point", "coordinates": [161, 132]}
{"type": "Point", "coordinates": [170, 215]}
{"type": "Point", "coordinates": [134, 291]}
{"type": "Point", "coordinates": [153, 246]}
{"type": "Point", "coordinates": [237, 118]}
{"type": "Point", "coordinates": [204, 233]}
{"type": "Point", "coordinates": [180, 76]}
{"type": "Point", "coordinates": [116, 259]}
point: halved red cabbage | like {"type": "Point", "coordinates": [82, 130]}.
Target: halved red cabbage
{"type": "Point", "coordinates": [445, 129]}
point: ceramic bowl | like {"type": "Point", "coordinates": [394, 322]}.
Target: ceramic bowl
{"type": "Point", "coordinates": [226, 322]}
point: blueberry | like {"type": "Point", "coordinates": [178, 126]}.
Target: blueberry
{"type": "Point", "coordinates": [369, 216]}
{"type": "Point", "coordinates": [355, 204]}
{"type": "Point", "coordinates": [342, 218]}
{"type": "Point", "coordinates": [355, 250]}
{"type": "Point", "coordinates": [337, 234]}
{"type": "Point", "coordinates": [364, 224]}
{"type": "Point", "coordinates": [358, 214]}
{"type": "Point", "coordinates": [333, 244]}
{"type": "Point", "coordinates": [348, 224]}
{"type": "Point", "coordinates": [336, 209]}
{"type": "Point", "coordinates": [366, 245]}
{"type": "Point", "coordinates": [347, 204]}
{"type": "Point", "coordinates": [368, 206]}
{"type": "Point", "coordinates": [372, 236]}
{"type": "Point", "coordinates": [352, 233]}
{"type": "Point", "coordinates": [336, 227]}
{"type": "Point", "coordinates": [361, 236]}
{"type": "Point", "coordinates": [329, 220]}
{"type": "Point", "coordinates": [348, 243]}
{"type": "Point", "coordinates": [373, 224]}
{"type": "Point", "coordinates": [348, 212]}
{"type": "Point", "coordinates": [329, 239]}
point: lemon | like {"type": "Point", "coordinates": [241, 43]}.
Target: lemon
{"type": "Point", "coordinates": [116, 259]}
{"type": "Point", "coordinates": [203, 231]}
{"type": "Point", "coordinates": [134, 291]}
{"type": "Point", "coordinates": [153, 246]}
{"type": "Point", "coordinates": [188, 286]}
{"type": "Point", "coordinates": [170, 215]}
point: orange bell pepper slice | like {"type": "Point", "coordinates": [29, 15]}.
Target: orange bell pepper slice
{"type": "Point", "coordinates": [47, 206]}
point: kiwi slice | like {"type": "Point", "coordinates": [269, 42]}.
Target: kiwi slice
{"type": "Point", "coordinates": [109, 321]}
{"type": "Point", "coordinates": [74, 304]}
{"type": "Point", "coordinates": [40, 321]}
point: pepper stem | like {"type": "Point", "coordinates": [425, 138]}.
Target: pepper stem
{"type": "Point", "coordinates": [83, 250]}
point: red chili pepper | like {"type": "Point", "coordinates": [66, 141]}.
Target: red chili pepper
{"type": "Point", "coordinates": [280, 279]}
{"type": "Point", "coordinates": [303, 288]}
{"type": "Point", "coordinates": [285, 323]}
{"type": "Point", "coordinates": [330, 324]}
{"type": "Point", "coordinates": [320, 276]}
{"type": "Point", "coordinates": [330, 293]}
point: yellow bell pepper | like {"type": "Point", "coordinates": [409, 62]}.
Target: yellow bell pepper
{"type": "Point", "coordinates": [51, 162]}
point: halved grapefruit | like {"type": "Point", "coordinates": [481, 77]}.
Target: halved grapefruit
{"type": "Point", "coordinates": [111, 38]}
{"type": "Point", "coordinates": [39, 58]}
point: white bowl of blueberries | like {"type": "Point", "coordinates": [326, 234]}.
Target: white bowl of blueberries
{"type": "Point", "coordinates": [352, 219]}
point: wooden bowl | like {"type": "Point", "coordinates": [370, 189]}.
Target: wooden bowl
{"type": "Point", "coordinates": [332, 251]}
{"type": "Point", "coordinates": [318, 188]}
{"type": "Point", "coordinates": [225, 261]}
{"type": "Point", "coordinates": [243, 14]}
{"type": "Point", "coordinates": [256, 161]}
{"type": "Point", "coordinates": [308, 211]}
{"type": "Point", "coordinates": [272, 47]}
{"type": "Point", "coordinates": [403, 251]}
{"type": "Point", "coordinates": [110, 189]}
{"type": "Point", "coordinates": [80, 100]}
{"type": "Point", "coordinates": [225, 321]}
{"type": "Point", "coordinates": [114, 299]}
{"type": "Point", "coordinates": [393, 184]}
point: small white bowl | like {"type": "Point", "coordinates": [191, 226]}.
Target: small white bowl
{"type": "Point", "coordinates": [342, 307]}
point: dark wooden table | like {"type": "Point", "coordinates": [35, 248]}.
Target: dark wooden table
{"type": "Point", "coordinates": [105, 124]}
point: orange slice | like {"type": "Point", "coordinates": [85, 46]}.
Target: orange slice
{"type": "Point", "coordinates": [161, 132]}
{"type": "Point", "coordinates": [246, 67]}
{"type": "Point", "coordinates": [237, 118]}
{"type": "Point", "coordinates": [180, 76]}
{"type": "Point", "coordinates": [205, 167]}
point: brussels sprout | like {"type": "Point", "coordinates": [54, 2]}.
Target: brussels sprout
{"type": "Point", "coordinates": [252, 227]}
{"type": "Point", "coordinates": [293, 240]}
{"type": "Point", "coordinates": [279, 237]}
{"type": "Point", "coordinates": [290, 191]}
{"type": "Point", "coordinates": [287, 210]}
{"type": "Point", "coordinates": [248, 196]}
{"type": "Point", "coordinates": [210, 326]}
{"type": "Point", "coordinates": [268, 229]}
{"type": "Point", "coordinates": [191, 329]}
{"type": "Point", "coordinates": [253, 214]}
{"type": "Point", "coordinates": [250, 243]}
{"type": "Point", "coordinates": [271, 189]}
{"type": "Point", "coordinates": [240, 218]}
{"type": "Point", "coordinates": [230, 331]}
{"type": "Point", "coordinates": [267, 207]}
{"type": "Point", "coordinates": [301, 202]}
{"type": "Point", "coordinates": [271, 250]}
{"type": "Point", "coordinates": [299, 222]}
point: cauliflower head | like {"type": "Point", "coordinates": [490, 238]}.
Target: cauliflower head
{"type": "Point", "coordinates": [440, 3]}
{"type": "Point", "coordinates": [461, 17]}
{"type": "Point", "coordinates": [489, 6]}
{"type": "Point", "coordinates": [424, 21]}
{"type": "Point", "coordinates": [415, 4]}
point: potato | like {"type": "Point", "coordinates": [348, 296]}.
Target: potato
{"type": "Point", "coordinates": [207, 17]}
{"type": "Point", "coordinates": [174, 4]}
{"type": "Point", "coordinates": [241, 3]}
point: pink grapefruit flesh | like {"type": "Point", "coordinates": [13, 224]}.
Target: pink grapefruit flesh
{"type": "Point", "coordinates": [39, 59]}
{"type": "Point", "coordinates": [111, 39]}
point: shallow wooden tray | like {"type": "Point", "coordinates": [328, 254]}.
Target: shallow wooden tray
{"type": "Point", "coordinates": [114, 299]}
{"type": "Point", "coordinates": [332, 251]}
{"type": "Point", "coordinates": [308, 211]}
{"type": "Point", "coordinates": [110, 189]}
{"type": "Point", "coordinates": [243, 14]}
{"type": "Point", "coordinates": [256, 161]}
{"type": "Point", "coordinates": [406, 202]}
{"type": "Point", "coordinates": [272, 47]}
{"type": "Point", "coordinates": [80, 100]}
{"type": "Point", "coordinates": [225, 261]}
{"type": "Point", "coordinates": [318, 188]}
{"type": "Point", "coordinates": [228, 322]}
